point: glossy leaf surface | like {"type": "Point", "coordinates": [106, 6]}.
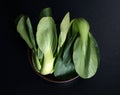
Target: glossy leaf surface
{"type": "Point", "coordinates": [64, 66]}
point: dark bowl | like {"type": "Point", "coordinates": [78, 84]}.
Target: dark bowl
{"type": "Point", "coordinates": [51, 77]}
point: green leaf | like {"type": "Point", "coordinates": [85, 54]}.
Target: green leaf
{"type": "Point", "coordinates": [64, 70]}
{"type": "Point", "coordinates": [30, 31]}
{"type": "Point", "coordinates": [64, 66]}
{"type": "Point", "coordinates": [22, 30]}
{"type": "Point", "coordinates": [64, 28]}
{"type": "Point", "coordinates": [46, 38]}
{"type": "Point", "coordinates": [36, 61]}
{"type": "Point", "coordinates": [46, 35]}
{"type": "Point", "coordinates": [81, 25]}
{"type": "Point", "coordinates": [46, 12]}
{"type": "Point", "coordinates": [85, 51]}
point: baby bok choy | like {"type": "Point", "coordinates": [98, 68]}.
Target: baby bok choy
{"type": "Point", "coordinates": [85, 51]}
{"type": "Point", "coordinates": [24, 28]}
{"type": "Point", "coordinates": [64, 66]}
{"type": "Point", "coordinates": [46, 38]}
{"type": "Point", "coordinates": [73, 51]}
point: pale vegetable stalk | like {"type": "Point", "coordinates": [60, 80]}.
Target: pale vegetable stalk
{"type": "Point", "coordinates": [48, 64]}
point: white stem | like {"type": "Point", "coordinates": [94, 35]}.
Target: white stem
{"type": "Point", "coordinates": [48, 64]}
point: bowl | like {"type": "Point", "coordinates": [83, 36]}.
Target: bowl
{"type": "Point", "coordinates": [50, 77]}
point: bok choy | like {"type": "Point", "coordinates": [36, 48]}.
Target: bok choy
{"type": "Point", "coordinates": [85, 54]}
{"type": "Point", "coordinates": [73, 51]}
{"type": "Point", "coordinates": [46, 38]}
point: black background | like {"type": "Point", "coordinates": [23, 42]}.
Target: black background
{"type": "Point", "coordinates": [104, 19]}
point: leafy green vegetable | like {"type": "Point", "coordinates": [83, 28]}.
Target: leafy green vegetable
{"type": "Point", "coordinates": [64, 66]}
{"type": "Point", "coordinates": [46, 38]}
{"type": "Point", "coordinates": [46, 12]}
{"type": "Point", "coordinates": [30, 30]}
{"type": "Point", "coordinates": [36, 62]}
{"type": "Point", "coordinates": [74, 52]}
{"type": "Point", "coordinates": [85, 55]}
{"type": "Point", "coordinates": [22, 30]}
{"type": "Point", "coordinates": [81, 25]}
{"type": "Point", "coordinates": [64, 28]}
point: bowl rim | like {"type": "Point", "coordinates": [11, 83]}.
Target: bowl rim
{"type": "Point", "coordinates": [46, 77]}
